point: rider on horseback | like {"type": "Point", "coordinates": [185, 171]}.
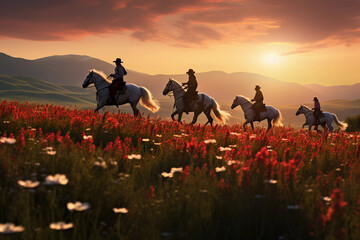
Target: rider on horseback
{"type": "Point", "coordinates": [258, 105]}
{"type": "Point", "coordinates": [317, 112]}
{"type": "Point", "coordinates": [191, 92]}
{"type": "Point", "coordinates": [118, 83]}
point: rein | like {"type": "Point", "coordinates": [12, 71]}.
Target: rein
{"type": "Point", "coordinates": [172, 95]}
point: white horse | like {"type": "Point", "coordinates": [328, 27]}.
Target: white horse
{"type": "Point", "coordinates": [203, 103]}
{"type": "Point", "coordinates": [327, 119]}
{"type": "Point", "coordinates": [132, 93]}
{"type": "Point", "coordinates": [270, 114]}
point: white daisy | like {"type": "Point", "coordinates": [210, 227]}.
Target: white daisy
{"type": "Point", "coordinates": [120, 210]}
{"type": "Point", "coordinates": [59, 179]}
{"type": "Point", "coordinates": [61, 226]}
{"type": "Point", "coordinates": [78, 206]}
{"type": "Point", "coordinates": [9, 228]}
{"type": "Point", "coordinates": [28, 183]}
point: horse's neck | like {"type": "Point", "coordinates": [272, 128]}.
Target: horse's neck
{"type": "Point", "coordinates": [307, 111]}
{"type": "Point", "coordinates": [178, 91]}
{"type": "Point", "coordinates": [246, 106]}
{"type": "Point", "coordinates": [101, 83]}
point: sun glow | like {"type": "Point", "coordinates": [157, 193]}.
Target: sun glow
{"type": "Point", "coordinates": [272, 58]}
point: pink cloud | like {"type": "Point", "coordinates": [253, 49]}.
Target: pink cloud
{"type": "Point", "coordinates": [312, 23]}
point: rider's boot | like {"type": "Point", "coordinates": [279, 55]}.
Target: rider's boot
{"type": "Point", "coordinates": [317, 122]}
{"type": "Point", "coordinates": [113, 100]}
{"type": "Point", "coordinates": [186, 108]}
{"type": "Point", "coordinates": [257, 116]}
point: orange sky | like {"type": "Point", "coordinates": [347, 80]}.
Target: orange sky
{"type": "Point", "coordinates": [304, 41]}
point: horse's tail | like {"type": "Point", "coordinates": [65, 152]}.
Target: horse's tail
{"type": "Point", "coordinates": [278, 118]}
{"type": "Point", "coordinates": [147, 101]}
{"type": "Point", "coordinates": [220, 115]}
{"type": "Point", "coordinates": [342, 125]}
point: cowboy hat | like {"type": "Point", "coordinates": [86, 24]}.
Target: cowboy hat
{"type": "Point", "coordinates": [257, 87]}
{"type": "Point", "coordinates": [118, 60]}
{"type": "Point", "coordinates": [316, 99]}
{"type": "Point", "coordinates": [190, 71]}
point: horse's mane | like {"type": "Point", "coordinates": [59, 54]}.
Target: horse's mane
{"type": "Point", "coordinates": [305, 107]}
{"type": "Point", "coordinates": [248, 99]}
{"type": "Point", "coordinates": [175, 81]}
{"type": "Point", "coordinates": [101, 73]}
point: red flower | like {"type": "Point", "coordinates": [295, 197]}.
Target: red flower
{"type": "Point", "coordinates": [151, 192]}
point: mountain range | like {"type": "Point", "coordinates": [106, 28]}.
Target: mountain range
{"type": "Point", "coordinates": [69, 72]}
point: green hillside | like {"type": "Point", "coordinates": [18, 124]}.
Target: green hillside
{"type": "Point", "coordinates": [36, 90]}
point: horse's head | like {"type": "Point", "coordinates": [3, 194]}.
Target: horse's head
{"type": "Point", "coordinates": [89, 79]}
{"type": "Point", "coordinates": [235, 103]}
{"type": "Point", "coordinates": [169, 87]}
{"type": "Point", "coordinates": [300, 110]}
{"type": "Point", "coordinates": [240, 100]}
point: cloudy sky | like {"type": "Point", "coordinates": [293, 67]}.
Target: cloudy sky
{"type": "Point", "coordinates": [304, 41]}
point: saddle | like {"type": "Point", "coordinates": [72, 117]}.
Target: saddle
{"type": "Point", "coordinates": [318, 114]}
{"type": "Point", "coordinates": [193, 98]}
{"type": "Point", "coordinates": [261, 108]}
{"type": "Point", "coordinates": [120, 90]}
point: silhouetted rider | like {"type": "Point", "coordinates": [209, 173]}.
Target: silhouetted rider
{"type": "Point", "coordinates": [191, 92]}
{"type": "Point", "coordinates": [317, 111]}
{"type": "Point", "coordinates": [258, 99]}
{"type": "Point", "coordinates": [118, 82]}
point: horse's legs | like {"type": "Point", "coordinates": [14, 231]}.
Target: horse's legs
{"type": "Point", "coordinates": [252, 125]}
{"type": "Point", "coordinates": [180, 116]}
{"type": "Point", "coordinates": [208, 115]}
{"type": "Point", "coordinates": [329, 126]}
{"type": "Point", "coordinates": [196, 114]}
{"type": "Point", "coordinates": [173, 114]}
{"type": "Point", "coordinates": [269, 124]}
{"type": "Point", "coordinates": [134, 108]}
{"type": "Point", "coordinates": [304, 125]}
{"type": "Point", "coordinates": [244, 125]}
{"type": "Point", "coordinates": [100, 105]}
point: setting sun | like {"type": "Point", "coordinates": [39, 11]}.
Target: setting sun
{"type": "Point", "coordinates": [272, 58]}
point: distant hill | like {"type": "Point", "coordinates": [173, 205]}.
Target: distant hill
{"type": "Point", "coordinates": [337, 92]}
{"type": "Point", "coordinates": [71, 70]}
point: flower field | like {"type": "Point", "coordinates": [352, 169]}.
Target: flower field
{"type": "Point", "coordinates": [75, 174]}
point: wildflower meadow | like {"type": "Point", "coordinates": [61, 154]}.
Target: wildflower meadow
{"type": "Point", "coordinates": [75, 174]}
